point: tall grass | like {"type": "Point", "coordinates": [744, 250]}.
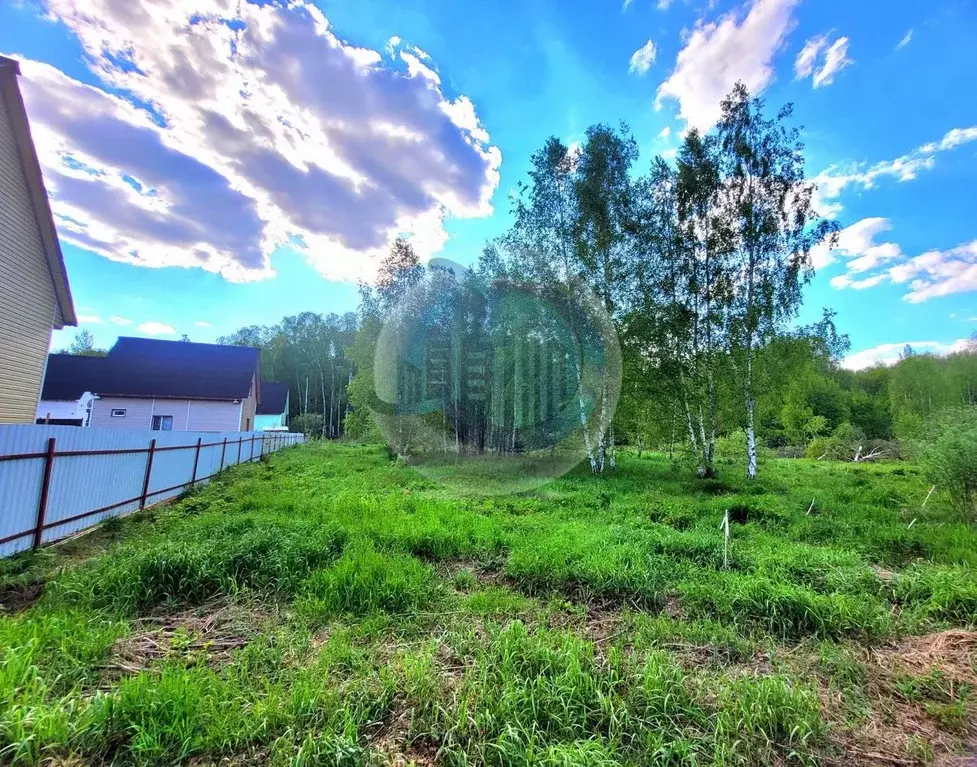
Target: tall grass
{"type": "Point", "coordinates": [590, 622]}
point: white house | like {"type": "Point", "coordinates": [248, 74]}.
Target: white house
{"type": "Point", "coordinates": [145, 383]}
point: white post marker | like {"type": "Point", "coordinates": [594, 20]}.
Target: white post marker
{"type": "Point", "coordinates": [725, 528]}
{"type": "Point", "coordinates": [928, 496]}
{"type": "Point", "coordinates": [809, 508]}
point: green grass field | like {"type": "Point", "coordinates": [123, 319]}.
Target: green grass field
{"type": "Point", "coordinates": [331, 607]}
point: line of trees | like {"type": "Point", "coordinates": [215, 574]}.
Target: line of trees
{"type": "Point", "coordinates": [700, 264]}
{"type": "Point", "coordinates": [309, 352]}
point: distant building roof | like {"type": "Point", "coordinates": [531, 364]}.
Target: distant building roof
{"type": "Point", "coordinates": [148, 367]}
{"type": "Point", "coordinates": [68, 376]}
{"type": "Point", "coordinates": [10, 95]}
{"type": "Point", "coordinates": [274, 396]}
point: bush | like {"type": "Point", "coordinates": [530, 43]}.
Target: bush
{"type": "Point", "coordinates": [950, 458]}
{"type": "Point", "coordinates": [309, 424]}
{"type": "Point", "coordinates": [359, 427]}
{"type": "Point", "coordinates": [732, 448]}
{"type": "Point", "coordinates": [840, 446]}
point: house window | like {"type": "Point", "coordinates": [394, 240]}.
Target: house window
{"type": "Point", "coordinates": [162, 423]}
{"type": "Point", "coordinates": [118, 412]}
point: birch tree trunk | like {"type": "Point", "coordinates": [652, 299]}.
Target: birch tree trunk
{"type": "Point", "coordinates": [751, 462]}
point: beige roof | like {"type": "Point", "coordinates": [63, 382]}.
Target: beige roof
{"type": "Point", "coordinates": [10, 93]}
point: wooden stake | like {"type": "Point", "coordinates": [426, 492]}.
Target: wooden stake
{"type": "Point", "coordinates": [928, 496]}
{"type": "Point", "coordinates": [725, 528]}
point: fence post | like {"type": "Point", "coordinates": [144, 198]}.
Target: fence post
{"type": "Point", "coordinates": [251, 456]}
{"type": "Point", "coordinates": [223, 450]}
{"type": "Point", "coordinates": [239, 441]}
{"type": "Point", "coordinates": [149, 471]}
{"type": "Point", "coordinates": [196, 460]}
{"type": "Point", "coordinates": [45, 487]}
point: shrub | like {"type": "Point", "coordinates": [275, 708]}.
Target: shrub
{"type": "Point", "coordinates": [950, 457]}
{"type": "Point", "coordinates": [840, 446]}
{"type": "Point", "coordinates": [732, 448]}
{"type": "Point", "coordinates": [310, 424]}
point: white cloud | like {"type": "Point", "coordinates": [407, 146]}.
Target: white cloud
{"type": "Point", "coordinates": [938, 273]}
{"type": "Point", "coordinates": [905, 40]}
{"type": "Point", "coordinates": [89, 319]}
{"type": "Point", "coordinates": [951, 140]}
{"type": "Point", "coordinates": [664, 133]}
{"type": "Point", "coordinates": [250, 127]}
{"type": "Point", "coordinates": [203, 324]}
{"type": "Point", "coordinates": [857, 242]}
{"type": "Point", "coordinates": [116, 319]}
{"type": "Point", "coordinates": [662, 5]}
{"type": "Point", "coordinates": [718, 53]}
{"type": "Point", "coordinates": [833, 58]}
{"type": "Point", "coordinates": [869, 263]}
{"type": "Point", "coordinates": [888, 354]}
{"type": "Point", "coordinates": [832, 181]}
{"type": "Point", "coordinates": [156, 329]}
{"type": "Point", "coordinates": [625, 4]}
{"type": "Point", "coordinates": [643, 58]}
{"type": "Point", "coordinates": [804, 63]}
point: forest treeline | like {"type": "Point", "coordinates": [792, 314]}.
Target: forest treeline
{"type": "Point", "coordinates": [700, 264]}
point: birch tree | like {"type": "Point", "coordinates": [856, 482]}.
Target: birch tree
{"type": "Point", "coordinates": [603, 188]}
{"type": "Point", "coordinates": [775, 226]}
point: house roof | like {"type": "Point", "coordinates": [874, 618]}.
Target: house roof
{"type": "Point", "coordinates": [147, 367]}
{"type": "Point", "coordinates": [274, 398]}
{"type": "Point", "coordinates": [68, 376]}
{"type": "Point", "coordinates": [14, 102]}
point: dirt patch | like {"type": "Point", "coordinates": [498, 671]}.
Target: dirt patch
{"type": "Point", "coordinates": [900, 729]}
{"type": "Point", "coordinates": [459, 572]}
{"type": "Point", "coordinates": [393, 744]}
{"type": "Point", "coordinates": [954, 652]}
{"type": "Point", "coordinates": [14, 599]}
{"type": "Point", "coordinates": [210, 633]}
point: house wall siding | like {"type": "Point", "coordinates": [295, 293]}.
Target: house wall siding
{"type": "Point", "coordinates": [139, 413]}
{"type": "Point", "coordinates": [265, 422]}
{"type": "Point", "coordinates": [248, 409]}
{"type": "Point", "coordinates": [207, 415]}
{"type": "Point", "coordinates": [188, 415]}
{"type": "Point", "coordinates": [28, 304]}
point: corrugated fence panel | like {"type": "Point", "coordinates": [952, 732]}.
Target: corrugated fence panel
{"type": "Point", "coordinates": [84, 483]}
{"type": "Point", "coordinates": [104, 471]}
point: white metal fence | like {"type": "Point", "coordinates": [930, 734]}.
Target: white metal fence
{"type": "Point", "coordinates": [56, 481]}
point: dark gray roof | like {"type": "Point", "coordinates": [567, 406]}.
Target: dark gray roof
{"type": "Point", "coordinates": [274, 396]}
{"type": "Point", "coordinates": [148, 367]}
{"type": "Point", "coordinates": [68, 376]}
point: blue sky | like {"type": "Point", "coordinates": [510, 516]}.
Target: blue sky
{"type": "Point", "coordinates": [215, 163]}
